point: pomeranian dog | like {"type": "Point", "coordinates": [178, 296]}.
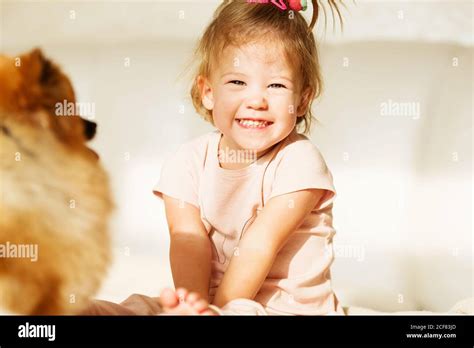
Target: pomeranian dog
{"type": "Point", "coordinates": [54, 194]}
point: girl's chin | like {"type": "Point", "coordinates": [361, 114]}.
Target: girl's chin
{"type": "Point", "coordinates": [252, 145]}
{"type": "Point", "coordinates": [250, 140]}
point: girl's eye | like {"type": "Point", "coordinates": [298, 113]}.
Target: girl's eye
{"type": "Point", "coordinates": [277, 85]}
{"type": "Point", "coordinates": [237, 82]}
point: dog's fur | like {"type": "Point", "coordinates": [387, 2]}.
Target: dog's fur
{"type": "Point", "coordinates": [53, 193]}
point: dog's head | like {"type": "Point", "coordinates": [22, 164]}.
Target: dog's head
{"type": "Point", "coordinates": [31, 90]}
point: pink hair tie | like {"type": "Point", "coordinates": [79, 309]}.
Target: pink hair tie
{"type": "Point", "coordinates": [295, 5]}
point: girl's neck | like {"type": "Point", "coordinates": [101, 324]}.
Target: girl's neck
{"type": "Point", "coordinates": [250, 157]}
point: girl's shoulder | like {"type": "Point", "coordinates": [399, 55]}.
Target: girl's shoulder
{"type": "Point", "coordinates": [196, 148]}
{"type": "Point", "coordinates": [300, 165]}
{"type": "Point", "coordinates": [192, 153]}
{"type": "Point", "coordinates": [198, 142]}
{"type": "Point", "coordinates": [299, 148]}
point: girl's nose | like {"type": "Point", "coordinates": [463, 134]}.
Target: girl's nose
{"type": "Point", "coordinates": [257, 101]}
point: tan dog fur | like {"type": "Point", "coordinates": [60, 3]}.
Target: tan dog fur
{"type": "Point", "coordinates": [54, 193]}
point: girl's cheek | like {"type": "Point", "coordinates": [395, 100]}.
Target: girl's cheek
{"type": "Point", "coordinates": [224, 107]}
{"type": "Point", "coordinates": [225, 94]}
{"type": "Point", "coordinates": [285, 103]}
{"type": "Point", "coordinates": [293, 105]}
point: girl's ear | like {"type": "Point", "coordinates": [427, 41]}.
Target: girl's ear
{"type": "Point", "coordinates": [206, 92]}
{"type": "Point", "coordinates": [304, 102]}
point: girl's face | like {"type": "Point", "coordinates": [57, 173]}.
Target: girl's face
{"type": "Point", "coordinates": [253, 82]}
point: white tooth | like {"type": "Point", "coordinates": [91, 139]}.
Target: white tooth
{"type": "Point", "coordinates": [249, 123]}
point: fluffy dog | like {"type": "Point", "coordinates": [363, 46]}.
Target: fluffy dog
{"type": "Point", "coordinates": [54, 194]}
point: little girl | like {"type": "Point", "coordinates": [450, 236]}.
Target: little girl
{"type": "Point", "coordinates": [249, 205]}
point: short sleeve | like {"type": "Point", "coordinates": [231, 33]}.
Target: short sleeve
{"type": "Point", "coordinates": [178, 178]}
{"type": "Point", "coordinates": [302, 167]}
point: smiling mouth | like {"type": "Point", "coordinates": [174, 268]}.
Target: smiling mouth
{"type": "Point", "coordinates": [253, 124]}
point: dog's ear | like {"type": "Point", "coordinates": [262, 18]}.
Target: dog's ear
{"type": "Point", "coordinates": [45, 87]}
{"type": "Point", "coordinates": [54, 85]}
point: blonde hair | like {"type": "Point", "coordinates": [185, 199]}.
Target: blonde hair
{"type": "Point", "coordinates": [241, 22]}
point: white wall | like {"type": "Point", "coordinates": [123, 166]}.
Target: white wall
{"type": "Point", "coordinates": [404, 207]}
{"type": "Point", "coordinates": [117, 21]}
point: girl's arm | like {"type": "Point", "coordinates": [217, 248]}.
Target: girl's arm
{"type": "Point", "coordinates": [190, 249]}
{"type": "Point", "coordinates": [261, 243]}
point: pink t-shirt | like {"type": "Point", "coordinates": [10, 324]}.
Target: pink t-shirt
{"type": "Point", "coordinates": [229, 200]}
